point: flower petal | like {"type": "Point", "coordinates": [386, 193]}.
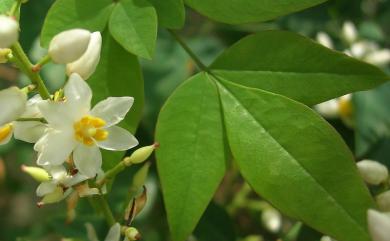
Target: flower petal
{"type": "Point", "coordinates": [55, 147]}
{"type": "Point", "coordinates": [78, 92]}
{"type": "Point", "coordinates": [32, 110]}
{"type": "Point", "coordinates": [114, 233]}
{"type": "Point", "coordinates": [58, 114]}
{"type": "Point", "coordinates": [28, 131]}
{"type": "Point", "coordinates": [88, 159]}
{"type": "Point", "coordinates": [45, 188]}
{"type": "Point", "coordinates": [12, 104]}
{"type": "Point", "coordinates": [118, 139]}
{"type": "Point", "coordinates": [113, 109]}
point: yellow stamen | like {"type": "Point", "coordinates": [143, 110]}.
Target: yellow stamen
{"type": "Point", "coordinates": [346, 108]}
{"type": "Point", "coordinates": [5, 131]}
{"type": "Point", "coordinates": [88, 130]}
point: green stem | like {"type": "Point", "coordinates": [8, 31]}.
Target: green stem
{"type": "Point", "coordinates": [15, 9]}
{"type": "Point", "coordinates": [46, 59]}
{"type": "Point", "coordinates": [105, 208]}
{"type": "Point", "coordinates": [25, 65]}
{"type": "Point", "coordinates": [193, 56]}
{"type": "Point", "coordinates": [110, 174]}
{"type": "Point", "coordinates": [32, 119]}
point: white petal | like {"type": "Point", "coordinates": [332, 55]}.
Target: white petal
{"type": "Point", "coordinates": [378, 225]}
{"type": "Point", "coordinates": [118, 139]}
{"type": "Point", "coordinates": [86, 64]}
{"type": "Point", "coordinates": [69, 45]}
{"type": "Point", "coordinates": [12, 104]}
{"type": "Point", "coordinates": [32, 110]}
{"type": "Point", "coordinates": [113, 109]}
{"type": "Point", "coordinates": [329, 109]}
{"type": "Point", "coordinates": [45, 188]}
{"type": "Point", "coordinates": [73, 180]}
{"type": "Point", "coordinates": [78, 92]}
{"type": "Point", "coordinates": [55, 147]}
{"type": "Point", "coordinates": [9, 31]}
{"type": "Point", "coordinates": [59, 114]}
{"type": "Point", "coordinates": [88, 160]}
{"type": "Point", "coordinates": [28, 131]}
{"type": "Point", "coordinates": [114, 234]}
{"type": "Point", "coordinates": [91, 233]}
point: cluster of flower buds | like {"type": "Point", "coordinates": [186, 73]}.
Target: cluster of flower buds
{"type": "Point", "coordinates": [79, 49]}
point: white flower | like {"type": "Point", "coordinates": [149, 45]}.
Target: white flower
{"type": "Point", "coordinates": [349, 32]}
{"type": "Point", "coordinates": [378, 225]}
{"type": "Point", "coordinates": [59, 186]}
{"type": "Point", "coordinates": [324, 39]}
{"type": "Point", "coordinates": [87, 63]}
{"type": "Point", "coordinates": [373, 172]}
{"type": "Point", "coordinates": [74, 128]}
{"type": "Point", "coordinates": [9, 31]}
{"type": "Point", "coordinates": [68, 46]}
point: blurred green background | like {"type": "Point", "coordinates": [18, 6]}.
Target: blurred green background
{"type": "Point", "coordinates": [235, 214]}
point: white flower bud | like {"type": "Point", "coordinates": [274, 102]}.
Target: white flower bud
{"type": "Point", "coordinates": [379, 57]}
{"type": "Point", "coordinates": [378, 225]}
{"type": "Point", "coordinates": [39, 174]}
{"type": "Point", "coordinates": [373, 172]}
{"type": "Point", "coordinates": [132, 234]}
{"type": "Point", "coordinates": [272, 220]}
{"type": "Point", "coordinates": [349, 32]}
{"type": "Point", "coordinates": [68, 46]}
{"type": "Point", "coordinates": [12, 104]}
{"type": "Point", "coordinates": [87, 63]}
{"type": "Point", "coordinates": [324, 39]}
{"type": "Point", "coordinates": [383, 201]}
{"type": "Point", "coordinates": [140, 155]}
{"type": "Point", "coordinates": [9, 31]}
{"type": "Point", "coordinates": [328, 109]}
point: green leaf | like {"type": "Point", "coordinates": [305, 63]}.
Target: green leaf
{"type": "Point", "coordinates": [296, 160]}
{"type": "Point", "coordinates": [171, 13]}
{"type": "Point", "coordinates": [67, 14]}
{"type": "Point", "coordinates": [372, 118]}
{"type": "Point", "coordinates": [134, 25]}
{"type": "Point", "coordinates": [5, 5]}
{"type": "Point", "coordinates": [118, 74]}
{"type": "Point", "coordinates": [191, 158]}
{"type": "Point", "coordinates": [294, 66]}
{"type": "Point", "coordinates": [247, 11]}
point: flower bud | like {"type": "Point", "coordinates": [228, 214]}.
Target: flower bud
{"type": "Point", "coordinates": [373, 172]}
{"type": "Point", "coordinates": [132, 234]}
{"type": "Point", "coordinates": [383, 201]}
{"type": "Point", "coordinates": [53, 197]}
{"type": "Point", "coordinates": [349, 32]}
{"type": "Point", "coordinates": [9, 31]}
{"type": "Point", "coordinates": [378, 225]}
{"type": "Point", "coordinates": [87, 63]}
{"type": "Point", "coordinates": [68, 46]}
{"type": "Point", "coordinates": [140, 155]}
{"type": "Point", "coordinates": [39, 174]}
{"type": "Point", "coordinates": [4, 55]}
{"type": "Point", "coordinates": [325, 40]}
{"type": "Point", "coordinates": [380, 57]}
{"type": "Point", "coordinates": [272, 220]}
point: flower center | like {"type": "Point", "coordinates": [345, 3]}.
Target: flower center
{"type": "Point", "coordinates": [5, 131]}
{"type": "Point", "coordinates": [88, 129]}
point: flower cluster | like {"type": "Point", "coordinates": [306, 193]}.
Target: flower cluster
{"type": "Point", "coordinates": [67, 131]}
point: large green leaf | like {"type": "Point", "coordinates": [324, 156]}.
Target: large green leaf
{"type": "Point", "coordinates": [372, 118]}
{"type": "Point", "coordinates": [296, 160]}
{"type": "Point", "coordinates": [5, 5]}
{"type": "Point", "coordinates": [191, 159]}
{"type": "Point", "coordinates": [118, 74]}
{"type": "Point", "coordinates": [294, 66]}
{"type": "Point", "coordinates": [246, 11]}
{"type": "Point", "coordinates": [171, 13]}
{"type": "Point", "coordinates": [67, 14]}
{"type": "Point", "coordinates": [134, 25]}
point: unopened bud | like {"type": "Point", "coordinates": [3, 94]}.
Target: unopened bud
{"type": "Point", "coordinates": [378, 225]}
{"type": "Point", "coordinates": [140, 177]}
{"type": "Point", "coordinates": [325, 40]}
{"type": "Point", "coordinates": [87, 63]}
{"type": "Point", "coordinates": [380, 57]}
{"type": "Point", "coordinates": [68, 46]}
{"type": "Point", "coordinates": [373, 172]}
{"type": "Point", "coordinates": [349, 32]}
{"type": "Point", "coordinates": [9, 31]}
{"type": "Point", "coordinates": [272, 220]}
{"type": "Point", "coordinates": [383, 201]}
{"type": "Point", "coordinates": [39, 174]}
{"type": "Point", "coordinates": [132, 234]}
{"type": "Point", "coordinates": [53, 197]}
{"type": "Point", "coordinates": [4, 55]}
{"type": "Point", "coordinates": [140, 155]}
